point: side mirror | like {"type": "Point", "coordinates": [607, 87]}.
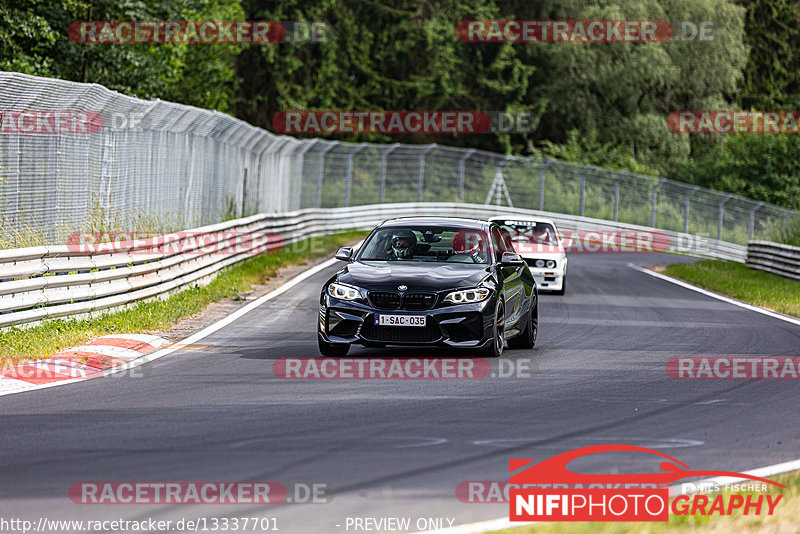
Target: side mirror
{"type": "Point", "coordinates": [344, 254]}
{"type": "Point", "coordinates": [511, 258]}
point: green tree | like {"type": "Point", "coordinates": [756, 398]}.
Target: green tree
{"type": "Point", "coordinates": [760, 166]}
{"type": "Point", "coordinates": [34, 40]}
{"type": "Point", "coordinates": [624, 91]}
{"type": "Point", "coordinates": [772, 73]}
{"type": "Point", "coordinates": [381, 57]}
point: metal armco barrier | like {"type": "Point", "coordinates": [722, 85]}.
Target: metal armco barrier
{"type": "Point", "coordinates": [169, 162]}
{"type": "Point", "coordinates": [41, 283]}
{"type": "Point", "coordinates": [775, 258]}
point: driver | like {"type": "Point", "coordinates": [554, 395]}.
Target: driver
{"type": "Point", "coordinates": [403, 242]}
{"type": "Point", "coordinates": [469, 244]}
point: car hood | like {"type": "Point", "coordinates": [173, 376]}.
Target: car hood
{"type": "Point", "coordinates": [418, 276]}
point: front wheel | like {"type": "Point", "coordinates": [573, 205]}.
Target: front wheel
{"type": "Point", "coordinates": [332, 349]}
{"type": "Point", "coordinates": [527, 338]}
{"type": "Point", "coordinates": [495, 348]}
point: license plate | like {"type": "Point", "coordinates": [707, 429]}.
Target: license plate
{"type": "Point", "coordinates": [400, 320]}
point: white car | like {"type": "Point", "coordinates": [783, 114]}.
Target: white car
{"type": "Point", "coordinates": [538, 242]}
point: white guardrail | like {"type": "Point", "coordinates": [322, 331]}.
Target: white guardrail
{"type": "Point", "coordinates": [774, 258]}
{"type": "Point", "coordinates": [41, 283]}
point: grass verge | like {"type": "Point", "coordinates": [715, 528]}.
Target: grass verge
{"type": "Point", "coordinates": [785, 519]}
{"type": "Point", "coordinates": [18, 345]}
{"type": "Point", "coordinates": [741, 282]}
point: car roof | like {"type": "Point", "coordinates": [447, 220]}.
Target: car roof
{"type": "Point", "coordinates": [524, 219]}
{"type": "Point", "coordinates": [455, 222]}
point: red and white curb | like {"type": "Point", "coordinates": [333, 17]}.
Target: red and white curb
{"type": "Point", "coordinates": [121, 352]}
{"type": "Point", "coordinates": [84, 362]}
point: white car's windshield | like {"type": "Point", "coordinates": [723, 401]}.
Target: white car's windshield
{"type": "Point", "coordinates": [531, 232]}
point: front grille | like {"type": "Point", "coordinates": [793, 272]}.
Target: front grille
{"type": "Point", "coordinates": [400, 334]}
{"type": "Point", "coordinates": [418, 301]}
{"type": "Point", "coordinates": [385, 300]}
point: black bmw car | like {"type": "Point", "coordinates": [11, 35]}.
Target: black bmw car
{"type": "Point", "coordinates": [434, 281]}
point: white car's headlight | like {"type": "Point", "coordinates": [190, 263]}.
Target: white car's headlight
{"type": "Point", "coordinates": [539, 263]}
{"type": "Point", "coordinates": [467, 296]}
{"type": "Point", "coordinates": [551, 264]}
{"type": "Point", "coordinates": [343, 292]}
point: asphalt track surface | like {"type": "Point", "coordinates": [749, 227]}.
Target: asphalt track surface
{"type": "Point", "coordinates": [399, 448]}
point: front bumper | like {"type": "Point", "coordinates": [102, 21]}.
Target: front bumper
{"type": "Point", "coordinates": [463, 325]}
{"type": "Point", "coordinates": [548, 279]}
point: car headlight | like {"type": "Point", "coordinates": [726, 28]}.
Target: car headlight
{"type": "Point", "coordinates": [343, 292]}
{"type": "Point", "coordinates": [467, 296]}
{"type": "Point", "coordinates": [551, 264]}
{"type": "Point", "coordinates": [539, 263]}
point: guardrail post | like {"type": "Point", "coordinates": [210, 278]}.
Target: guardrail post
{"type": "Point", "coordinates": [349, 179]}
{"type": "Point", "coordinates": [383, 171]}
{"type": "Point", "coordinates": [12, 207]}
{"type": "Point", "coordinates": [786, 217]}
{"type": "Point", "coordinates": [721, 215]}
{"type": "Point", "coordinates": [422, 171]}
{"type": "Point", "coordinates": [686, 198]}
{"type": "Point", "coordinates": [583, 188]}
{"type": "Point", "coordinates": [653, 199]}
{"type": "Point", "coordinates": [541, 183]}
{"type": "Point", "coordinates": [461, 165]}
{"type": "Point", "coordinates": [321, 171]}
{"type": "Point", "coordinates": [302, 164]}
{"type": "Point", "coordinates": [753, 220]}
{"type": "Point", "coordinates": [244, 192]}
{"type": "Point", "coordinates": [616, 194]}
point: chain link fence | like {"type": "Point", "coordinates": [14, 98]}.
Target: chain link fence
{"type": "Point", "coordinates": [167, 166]}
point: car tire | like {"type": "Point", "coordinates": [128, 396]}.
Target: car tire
{"type": "Point", "coordinates": [527, 338]}
{"type": "Point", "coordinates": [332, 350]}
{"type": "Point", "coordinates": [563, 286]}
{"type": "Point", "coordinates": [495, 348]}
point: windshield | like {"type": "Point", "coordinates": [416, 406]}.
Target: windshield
{"type": "Point", "coordinates": [531, 232]}
{"type": "Point", "coordinates": [426, 244]}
